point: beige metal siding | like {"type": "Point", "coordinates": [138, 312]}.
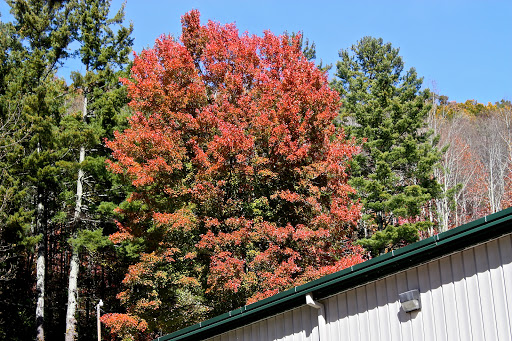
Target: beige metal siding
{"type": "Point", "coordinates": [464, 296]}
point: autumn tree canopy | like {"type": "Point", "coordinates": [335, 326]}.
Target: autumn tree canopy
{"type": "Point", "coordinates": [238, 173]}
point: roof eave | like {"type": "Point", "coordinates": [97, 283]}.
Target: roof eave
{"type": "Point", "coordinates": [439, 245]}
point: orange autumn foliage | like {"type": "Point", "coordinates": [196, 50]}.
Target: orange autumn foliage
{"type": "Point", "coordinates": [239, 174]}
{"type": "Point", "coordinates": [124, 325]}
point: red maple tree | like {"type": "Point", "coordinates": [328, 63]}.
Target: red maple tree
{"type": "Point", "coordinates": [239, 174]}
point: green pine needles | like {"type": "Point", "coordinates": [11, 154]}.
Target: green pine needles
{"type": "Point", "coordinates": [384, 108]}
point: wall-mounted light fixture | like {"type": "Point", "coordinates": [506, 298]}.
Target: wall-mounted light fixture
{"type": "Point", "coordinates": [410, 300]}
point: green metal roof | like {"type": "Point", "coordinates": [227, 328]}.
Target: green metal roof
{"type": "Point", "coordinates": [478, 231]}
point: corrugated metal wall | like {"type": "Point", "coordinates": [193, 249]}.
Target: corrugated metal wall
{"type": "Point", "coordinates": [464, 296]}
{"type": "Point", "coordinates": [295, 325]}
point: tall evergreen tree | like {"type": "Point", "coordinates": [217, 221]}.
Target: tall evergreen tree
{"type": "Point", "coordinates": [15, 237]}
{"type": "Point", "coordinates": [47, 141]}
{"type": "Point", "coordinates": [42, 29]}
{"type": "Point", "coordinates": [385, 109]}
{"type": "Point", "coordinates": [104, 53]}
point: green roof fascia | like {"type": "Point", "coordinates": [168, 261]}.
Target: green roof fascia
{"type": "Point", "coordinates": [461, 237]}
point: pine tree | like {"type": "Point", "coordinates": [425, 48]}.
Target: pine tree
{"type": "Point", "coordinates": [42, 29]}
{"type": "Point", "coordinates": [45, 140]}
{"type": "Point", "coordinates": [385, 109]}
{"type": "Point", "coordinates": [15, 216]}
{"type": "Point", "coordinates": [104, 53]}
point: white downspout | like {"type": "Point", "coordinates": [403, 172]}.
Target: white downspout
{"type": "Point", "coordinates": [321, 316]}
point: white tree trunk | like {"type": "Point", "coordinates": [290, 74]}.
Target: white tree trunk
{"type": "Point", "coordinates": [40, 264]}
{"type": "Point", "coordinates": [72, 298]}
{"type": "Point", "coordinates": [74, 264]}
{"type": "Point", "coordinates": [40, 275]}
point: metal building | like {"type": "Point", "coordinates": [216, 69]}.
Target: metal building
{"type": "Point", "coordinates": [458, 285]}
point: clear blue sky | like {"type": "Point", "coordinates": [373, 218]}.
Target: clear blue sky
{"type": "Point", "coordinates": [463, 49]}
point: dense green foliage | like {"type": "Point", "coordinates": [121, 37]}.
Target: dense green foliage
{"type": "Point", "coordinates": [385, 109]}
{"type": "Point", "coordinates": [33, 99]}
{"type": "Point", "coordinates": [42, 132]}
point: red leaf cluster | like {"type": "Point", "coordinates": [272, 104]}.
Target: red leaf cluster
{"type": "Point", "coordinates": [235, 163]}
{"type": "Point", "coordinates": [124, 325]}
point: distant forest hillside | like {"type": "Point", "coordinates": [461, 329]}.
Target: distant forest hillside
{"type": "Point", "coordinates": [475, 171]}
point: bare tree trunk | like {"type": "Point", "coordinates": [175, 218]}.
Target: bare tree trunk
{"type": "Point", "coordinates": [443, 209]}
{"type": "Point", "coordinates": [40, 263]}
{"type": "Point", "coordinates": [40, 271]}
{"type": "Point", "coordinates": [495, 154]}
{"type": "Point", "coordinates": [72, 297]}
{"type": "Point", "coordinates": [74, 264]}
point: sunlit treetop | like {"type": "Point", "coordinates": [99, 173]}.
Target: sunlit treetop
{"type": "Point", "coordinates": [239, 173]}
